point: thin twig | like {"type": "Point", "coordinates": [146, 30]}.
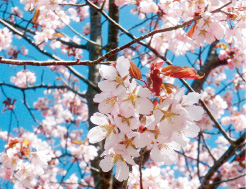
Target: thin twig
{"type": "Point", "coordinates": [206, 145]}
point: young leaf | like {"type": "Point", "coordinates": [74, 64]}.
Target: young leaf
{"type": "Point", "coordinates": [135, 71]}
{"type": "Point", "coordinates": [180, 72]}
{"type": "Point", "coordinates": [156, 81]}
{"type": "Point", "coordinates": [35, 18]}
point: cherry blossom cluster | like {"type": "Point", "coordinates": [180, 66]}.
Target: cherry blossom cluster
{"type": "Point", "coordinates": [68, 108]}
{"type": "Point", "coordinates": [30, 162]}
{"type": "Point", "coordinates": [239, 80]}
{"type": "Point", "coordinates": [5, 38]}
{"type": "Point", "coordinates": [238, 121]}
{"type": "Point", "coordinates": [156, 177]}
{"type": "Point", "coordinates": [151, 178]}
{"type": "Point", "coordinates": [23, 78]}
{"type": "Point", "coordinates": [25, 159]}
{"type": "Point", "coordinates": [132, 118]}
{"type": "Point", "coordinates": [231, 171]}
{"type": "Point", "coordinates": [211, 27]}
{"type": "Point", "coordinates": [217, 105]}
{"type": "Point", "coordinates": [51, 16]}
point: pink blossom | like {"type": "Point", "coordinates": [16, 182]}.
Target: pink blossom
{"type": "Point", "coordinates": [24, 51]}
{"type": "Point", "coordinates": [83, 12]}
{"type": "Point", "coordinates": [87, 29]}
{"type": "Point", "coordinates": [17, 12]}
{"type": "Point", "coordinates": [23, 78]}
{"type": "Point", "coordinates": [165, 153]}
{"type": "Point", "coordinates": [105, 129]}
{"type": "Point", "coordinates": [121, 2]}
{"type": "Point", "coordinates": [73, 14]}
{"type": "Point", "coordinates": [122, 169]}
{"type": "Point", "coordinates": [5, 38]}
{"type": "Point", "coordinates": [135, 101]}
{"type": "Point", "coordinates": [171, 116]}
{"type": "Point", "coordinates": [42, 104]}
{"type": "Point", "coordinates": [148, 6]}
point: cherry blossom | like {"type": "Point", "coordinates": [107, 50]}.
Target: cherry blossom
{"type": "Point", "coordinates": [5, 38]}
{"type": "Point", "coordinates": [105, 129]}
{"type": "Point", "coordinates": [122, 169]}
{"type": "Point", "coordinates": [128, 120]}
{"type": "Point", "coordinates": [23, 78]}
{"type": "Point", "coordinates": [135, 99]}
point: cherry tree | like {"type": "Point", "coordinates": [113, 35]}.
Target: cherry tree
{"type": "Point", "coordinates": [122, 94]}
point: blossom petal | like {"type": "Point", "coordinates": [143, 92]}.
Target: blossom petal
{"type": "Point", "coordinates": [163, 154]}
{"type": "Point", "coordinates": [122, 171]}
{"type": "Point", "coordinates": [99, 119]}
{"type": "Point", "coordinates": [144, 92]}
{"type": "Point", "coordinates": [192, 130]}
{"type": "Point", "coordinates": [96, 134]}
{"type": "Point", "coordinates": [107, 106]}
{"type": "Point", "coordinates": [110, 140]}
{"type": "Point", "coordinates": [107, 163]}
{"type": "Point", "coordinates": [195, 112]}
{"type": "Point", "coordinates": [107, 85]}
{"type": "Point", "coordinates": [127, 109]}
{"type": "Point", "coordinates": [100, 97]}
{"type": "Point", "coordinates": [123, 66]}
{"type": "Point", "coordinates": [108, 72]}
{"type": "Point", "coordinates": [144, 106]}
{"type": "Point", "coordinates": [191, 98]}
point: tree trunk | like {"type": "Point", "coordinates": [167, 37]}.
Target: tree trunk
{"type": "Point", "coordinates": [95, 53]}
{"type": "Point", "coordinates": [113, 39]}
{"type": "Point", "coordinates": [102, 180]}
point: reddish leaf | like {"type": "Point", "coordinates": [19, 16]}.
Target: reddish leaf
{"type": "Point", "coordinates": [135, 71]}
{"type": "Point", "coordinates": [156, 81]}
{"type": "Point", "coordinates": [180, 72]}
{"type": "Point", "coordinates": [240, 158]}
{"type": "Point", "coordinates": [35, 18]}
{"type": "Point", "coordinates": [156, 65]}
{"type": "Point", "coordinates": [12, 143]}
{"type": "Point", "coordinates": [192, 30]}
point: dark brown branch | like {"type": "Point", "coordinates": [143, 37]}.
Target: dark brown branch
{"type": "Point", "coordinates": [211, 63]}
{"type": "Point", "coordinates": [113, 39]}
{"type": "Point", "coordinates": [94, 77]}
